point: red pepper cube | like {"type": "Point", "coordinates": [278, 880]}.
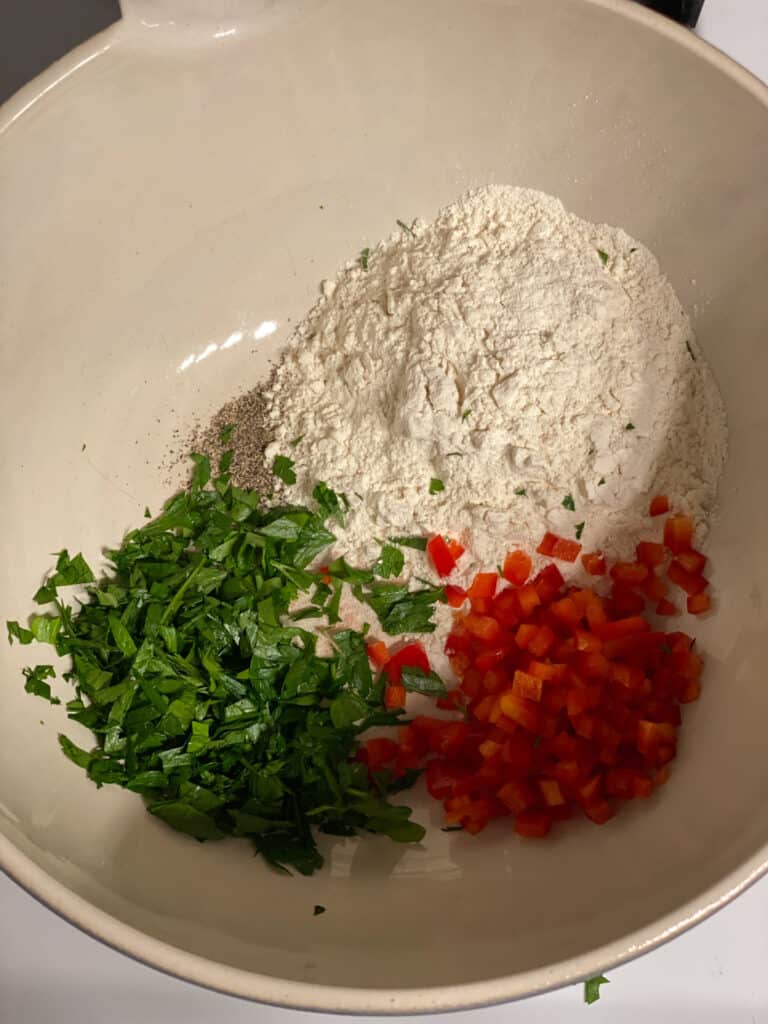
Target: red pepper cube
{"type": "Point", "coordinates": [528, 599]}
{"type": "Point", "coordinates": [506, 608]}
{"type": "Point", "coordinates": [631, 573]}
{"type": "Point", "coordinates": [456, 549]}
{"type": "Point", "coordinates": [678, 534]}
{"type": "Point", "coordinates": [378, 653]}
{"type": "Point", "coordinates": [599, 811]}
{"type": "Point", "coordinates": [517, 795]}
{"type": "Point", "coordinates": [548, 583]}
{"type": "Point", "coordinates": [650, 554]}
{"type": "Point", "coordinates": [550, 790]}
{"type": "Point", "coordinates": [440, 555]}
{"type": "Point", "coordinates": [659, 505]}
{"type": "Point", "coordinates": [542, 641]}
{"type": "Point", "coordinates": [517, 567]}
{"type": "Point", "coordinates": [378, 752]}
{"type": "Point", "coordinates": [547, 544]}
{"type": "Point", "coordinates": [594, 563]}
{"type": "Point", "coordinates": [697, 604]}
{"type": "Point", "coordinates": [394, 697]}
{"type": "Point", "coordinates": [685, 580]}
{"type": "Point", "coordinates": [455, 596]}
{"type": "Point", "coordinates": [533, 824]}
{"type": "Point", "coordinates": [483, 627]}
{"type": "Point", "coordinates": [521, 711]}
{"type": "Point", "coordinates": [665, 608]}
{"type": "Point", "coordinates": [692, 561]}
{"type": "Point", "coordinates": [410, 656]}
{"type": "Point", "coordinates": [527, 686]}
{"type": "Point", "coordinates": [566, 550]}
{"type": "Point", "coordinates": [566, 611]}
{"type": "Point", "coordinates": [483, 585]}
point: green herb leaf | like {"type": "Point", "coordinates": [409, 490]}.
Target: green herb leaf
{"type": "Point", "coordinates": [418, 543]}
{"type": "Point", "coordinates": [282, 467]}
{"type": "Point", "coordinates": [402, 611]}
{"type": "Point", "coordinates": [328, 502]}
{"type": "Point", "coordinates": [226, 432]}
{"type": "Point", "coordinates": [604, 257]}
{"type": "Point", "coordinates": [416, 681]}
{"type": "Point", "coordinates": [390, 562]}
{"type": "Point", "coordinates": [36, 682]}
{"type": "Point", "coordinates": [408, 230]}
{"type": "Point", "coordinates": [319, 908]}
{"type": "Point", "coordinates": [521, 492]}
{"type": "Point", "coordinates": [297, 441]}
{"type": "Point", "coordinates": [579, 530]}
{"type": "Point", "coordinates": [364, 257]}
{"type": "Point", "coordinates": [592, 988]}
{"type": "Point", "coordinates": [629, 426]}
{"type": "Point", "coordinates": [466, 414]}
{"type": "Point", "coordinates": [601, 481]}
{"type": "Point", "coordinates": [569, 503]}
{"type": "Point", "coordinates": [435, 486]}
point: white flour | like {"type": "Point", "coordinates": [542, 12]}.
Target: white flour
{"type": "Point", "coordinates": [496, 351]}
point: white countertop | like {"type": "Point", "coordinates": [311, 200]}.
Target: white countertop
{"type": "Point", "coordinates": [716, 974]}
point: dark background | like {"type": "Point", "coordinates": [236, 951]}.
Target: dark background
{"type": "Point", "coordinates": [34, 33]}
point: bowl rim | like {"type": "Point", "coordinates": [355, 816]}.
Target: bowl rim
{"type": "Point", "coordinates": [299, 995]}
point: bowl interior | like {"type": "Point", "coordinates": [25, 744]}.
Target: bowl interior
{"type": "Point", "coordinates": [168, 214]}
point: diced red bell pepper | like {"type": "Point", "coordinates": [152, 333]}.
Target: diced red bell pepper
{"type": "Point", "coordinates": [659, 505]}
{"type": "Point", "coordinates": [692, 561]}
{"type": "Point", "coordinates": [548, 583]}
{"type": "Point", "coordinates": [483, 585]}
{"type": "Point", "coordinates": [665, 607]}
{"type": "Point", "coordinates": [521, 711]}
{"type": "Point", "coordinates": [594, 563]}
{"type": "Point", "coordinates": [685, 580]}
{"type": "Point", "coordinates": [517, 567]}
{"type": "Point", "coordinates": [550, 790]}
{"type": "Point", "coordinates": [410, 656]}
{"type": "Point", "coordinates": [527, 599]}
{"type": "Point", "coordinates": [440, 555]}
{"type": "Point", "coordinates": [533, 824]}
{"type": "Point", "coordinates": [678, 534]}
{"type": "Point", "coordinates": [654, 588]}
{"type": "Point", "coordinates": [566, 550]}
{"type": "Point", "coordinates": [456, 549]}
{"type": "Point", "coordinates": [650, 554]}
{"type": "Point", "coordinates": [631, 573]}
{"type": "Point", "coordinates": [567, 612]}
{"type": "Point", "coordinates": [455, 596]}
{"type": "Point", "coordinates": [378, 653]}
{"type": "Point", "coordinates": [394, 697]}
{"type": "Point", "coordinates": [517, 795]}
{"type": "Point", "coordinates": [484, 627]}
{"type": "Point", "coordinates": [697, 604]}
{"type": "Point", "coordinates": [378, 752]}
{"type": "Point", "coordinates": [527, 686]}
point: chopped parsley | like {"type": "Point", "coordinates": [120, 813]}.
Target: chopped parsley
{"type": "Point", "coordinates": [435, 485]}
{"type": "Point", "coordinates": [629, 426]}
{"type": "Point", "coordinates": [297, 441]}
{"type": "Point", "coordinates": [604, 257]}
{"type": "Point", "coordinates": [226, 432]}
{"type": "Point", "coordinates": [364, 257]}
{"type": "Point", "coordinates": [416, 681]}
{"type": "Point", "coordinates": [601, 481]}
{"type": "Point", "coordinates": [282, 467]}
{"type": "Point", "coordinates": [521, 492]}
{"type": "Point", "coordinates": [466, 414]}
{"type": "Point", "coordinates": [569, 503]}
{"type": "Point", "coordinates": [419, 543]}
{"type": "Point", "coordinates": [319, 908]}
{"type": "Point", "coordinates": [408, 230]}
{"type": "Point", "coordinates": [592, 988]}
{"type": "Point", "coordinates": [390, 562]}
{"type": "Point", "coordinates": [147, 513]}
{"type": "Point", "coordinates": [579, 530]}
{"type": "Point", "coordinates": [202, 692]}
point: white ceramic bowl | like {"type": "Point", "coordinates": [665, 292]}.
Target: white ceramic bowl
{"type": "Point", "coordinates": [172, 193]}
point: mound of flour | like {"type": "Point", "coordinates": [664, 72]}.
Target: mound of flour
{"type": "Point", "coordinates": [523, 357]}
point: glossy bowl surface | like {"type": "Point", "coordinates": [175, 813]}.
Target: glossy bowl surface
{"type": "Point", "coordinates": [172, 194]}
